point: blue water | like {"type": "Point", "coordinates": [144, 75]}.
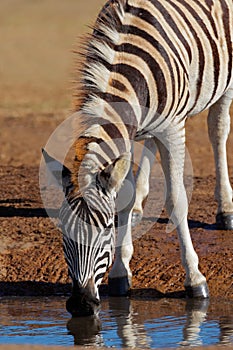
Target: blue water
{"type": "Point", "coordinates": [122, 322]}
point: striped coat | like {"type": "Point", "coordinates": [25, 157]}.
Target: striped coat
{"type": "Point", "coordinates": [147, 66]}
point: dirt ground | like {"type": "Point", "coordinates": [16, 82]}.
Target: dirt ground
{"type": "Point", "coordinates": [31, 257]}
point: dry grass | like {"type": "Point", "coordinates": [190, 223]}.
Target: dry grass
{"type": "Point", "coordinates": [37, 38]}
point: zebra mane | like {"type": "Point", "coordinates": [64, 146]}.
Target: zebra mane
{"type": "Point", "coordinates": [97, 54]}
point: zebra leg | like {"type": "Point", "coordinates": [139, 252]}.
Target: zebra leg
{"type": "Point", "coordinates": [142, 179]}
{"type": "Point", "coordinates": [172, 152]}
{"type": "Point", "coordinates": [120, 276]}
{"type": "Point", "coordinates": [219, 128]}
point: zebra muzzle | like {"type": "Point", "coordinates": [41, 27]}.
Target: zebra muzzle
{"type": "Point", "coordinates": [83, 301]}
{"type": "Point", "coordinates": [79, 306]}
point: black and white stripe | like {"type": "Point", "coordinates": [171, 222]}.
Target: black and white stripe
{"type": "Point", "coordinates": [173, 58]}
{"type": "Point", "coordinates": [148, 64]}
{"type": "Point", "coordinates": [88, 235]}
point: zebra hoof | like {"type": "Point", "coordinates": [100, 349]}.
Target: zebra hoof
{"type": "Point", "coordinates": [198, 292]}
{"type": "Point", "coordinates": [224, 221]}
{"type": "Point", "coordinates": [118, 286]}
{"type": "Point", "coordinates": [136, 218]}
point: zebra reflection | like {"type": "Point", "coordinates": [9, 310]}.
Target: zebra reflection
{"type": "Point", "coordinates": [130, 318]}
{"type": "Point", "coordinates": [85, 330]}
{"type": "Point", "coordinates": [226, 330]}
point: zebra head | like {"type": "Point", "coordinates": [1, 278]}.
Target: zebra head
{"type": "Point", "coordinates": [87, 222]}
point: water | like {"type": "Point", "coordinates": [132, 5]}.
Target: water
{"type": "Point", "coordinates": [122, 322]}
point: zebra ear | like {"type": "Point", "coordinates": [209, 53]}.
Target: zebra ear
{"type": "Point", "coordinates": [60, 172]}
{"type": "Point", "coordinates": [113, 175]}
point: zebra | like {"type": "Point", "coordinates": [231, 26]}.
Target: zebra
{"type": "Point", "coordinates": [147, 66]}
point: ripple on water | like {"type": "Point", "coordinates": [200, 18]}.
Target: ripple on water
{"type": "Point", "coordinates": [122, 322]}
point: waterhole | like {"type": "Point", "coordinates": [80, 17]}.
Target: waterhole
{"type": "Point", "coordinates": [121, 322]}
